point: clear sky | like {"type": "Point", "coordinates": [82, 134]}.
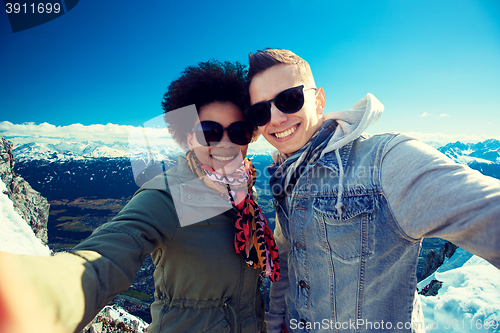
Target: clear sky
{"type": "Point", "coordinates": [434, 64]}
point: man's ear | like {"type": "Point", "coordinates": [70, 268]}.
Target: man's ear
{"type": "Point", "coordinates": [320, 101]}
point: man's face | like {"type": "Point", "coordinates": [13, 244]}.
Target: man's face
{"type": "Point", "coordinates": [287, 132]}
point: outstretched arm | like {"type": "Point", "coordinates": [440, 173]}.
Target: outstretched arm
{"type": "Point", "coordinates": [64, 292]}
{"type": "Point", "coordinates": [39, 294]}
{"type": "Point", "coordinates": [432, 196]}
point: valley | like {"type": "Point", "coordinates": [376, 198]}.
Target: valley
{"type": "Point", "coordinates": [70, 221]}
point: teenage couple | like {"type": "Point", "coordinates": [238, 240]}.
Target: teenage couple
{"type": "Point", "coordinates": [351, 209]}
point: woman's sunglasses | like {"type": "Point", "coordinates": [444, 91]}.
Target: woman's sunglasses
{"type": "Point", "coordinates": [288, 101]}
{"type": "Point", "coordinates": [209, 133]}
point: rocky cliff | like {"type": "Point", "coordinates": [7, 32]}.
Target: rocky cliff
{"type": "Point", "coordinates": [434, 260]}
{"type": "Point", "coordinates": [28, 203]}
{"type": "Point", "coordinates": [113, 319]}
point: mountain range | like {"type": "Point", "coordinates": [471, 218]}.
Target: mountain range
{"type": "Point", "coordinates": [69, 169]}
{"type": "Point", "coordinates": [487, 151]}
{"type": "Point", "coordinates": [482, 156]}
{"type": "Point", "coordinates": [66, 170]}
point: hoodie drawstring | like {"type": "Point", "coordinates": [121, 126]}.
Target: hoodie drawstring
{"type": "Point", "coordinates": [339, 204]}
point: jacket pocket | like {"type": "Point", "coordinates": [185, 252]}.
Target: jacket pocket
{"type": "Point", "coordinates": [347, 235]}
{"type": "Point", "coordinates": [222, 326]}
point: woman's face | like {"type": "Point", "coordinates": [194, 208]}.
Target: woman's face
{"type": "Point", "coordinates": [225, 156]}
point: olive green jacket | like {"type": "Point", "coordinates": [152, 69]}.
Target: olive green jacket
{"type": "Point", "coordinates": [201, 284]}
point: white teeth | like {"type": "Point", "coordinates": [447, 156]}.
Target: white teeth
{"type": "Point", "coordinates": [224, 158]}
{"type": "Point", "coordinates": [286, 133]}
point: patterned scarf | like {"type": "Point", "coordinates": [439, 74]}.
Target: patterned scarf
{"type": "Point", "coordinates": [286, 170]}
{"type": "Point", "coordinates": [253, 238]}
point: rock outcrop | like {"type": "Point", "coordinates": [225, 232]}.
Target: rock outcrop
{"type": "Point", "coordinates": [434, 260]}
{"type": "Point", "coordinates": [113, 319]}
{"type": "Point", "coordinates": [432, 288]}
{"type": "Point", "coordinates": [28, 203]}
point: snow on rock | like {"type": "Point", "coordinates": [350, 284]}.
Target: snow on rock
{"type": "Point", "coordinates": [28, 203]}
{"type": "Point", "coordinates": [16, 236]}
{"type": "Point", "coordinates": [114, 319]}
{"type": "Point", "coordinates": [120, 315]}
{"type": "Point", "coordinates": [469, 298]}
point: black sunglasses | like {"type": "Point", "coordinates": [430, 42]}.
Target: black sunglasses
{"type": "Point", "coordinates": [209, 133]}
{"type": "Point", "coordinates": [288, 101]}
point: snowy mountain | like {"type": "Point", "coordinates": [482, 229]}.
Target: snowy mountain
{"type": "Point", "coordinates": [65, 151]}
{"type": "Point", "coordinates": [469, 297]}
{"type": "Point", "coordinates": [482, 156]}
{"type": "Point", "coordinates": [487, 152]}
{"type": "Point", "coordinates": [27, 203]}
{"type": "Point", "coordinates": [66, 169]}
{"type": "Point", "coordinates": [69, 169]}
{"type": "Point", "coordinates": [16, 235]}
{"type": "Point", "coordinates": [482, 152]}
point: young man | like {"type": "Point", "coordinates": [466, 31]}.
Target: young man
{"type": "Point", "coordinates": [352, 208]}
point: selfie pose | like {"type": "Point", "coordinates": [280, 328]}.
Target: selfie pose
{"type": "Point", "coordinates": [352, 208]}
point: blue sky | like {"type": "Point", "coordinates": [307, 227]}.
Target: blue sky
{"type": "Point", "coordinates": [435, 65]}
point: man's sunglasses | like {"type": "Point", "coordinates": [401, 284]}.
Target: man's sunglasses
{"type": "Point", "coordinates": [288, 101]}
{"type": "Point", "coordinates": [209, 133]}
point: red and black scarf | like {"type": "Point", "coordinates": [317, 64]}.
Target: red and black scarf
{"type": "Point", "coordinates": [253, 239]}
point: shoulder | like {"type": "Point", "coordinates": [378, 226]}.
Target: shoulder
{"type": "Point", "coordinates": [173, 177]}
{"type": "Point", "coordinates": [400, 148]}
{"type": "Point", "coordinates": [367, 145]}
{"type": "Point", "coordinates": [392, 141]}
{"type": "Point", "coordinates": [383, 138]}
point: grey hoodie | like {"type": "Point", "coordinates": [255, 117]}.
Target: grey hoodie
{"type": "Point", "coordinates": [410, 189]}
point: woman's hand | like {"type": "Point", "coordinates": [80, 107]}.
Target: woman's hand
{"type": "Point", "coordinates": [21, 309]}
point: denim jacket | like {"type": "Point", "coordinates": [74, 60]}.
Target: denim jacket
{"type": "Point", "coordinates": [354, 269]}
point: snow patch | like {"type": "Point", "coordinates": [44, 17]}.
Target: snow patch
{"type": "Point", "coordinates": [16, 235]}
{"type": "Point", "coordinates": [469, 299]}
{"type": "Point", "coordinates": [120, 315]}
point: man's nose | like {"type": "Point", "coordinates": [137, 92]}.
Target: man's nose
{"type": "Point", "coordinates": [277, 117]}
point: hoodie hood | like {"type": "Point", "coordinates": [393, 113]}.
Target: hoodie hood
{"type": "Point", "coordinates": [350, 125]}
{"type": "Point", "coordinates": [353, 122]}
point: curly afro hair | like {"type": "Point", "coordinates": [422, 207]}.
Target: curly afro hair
{"type": "Point", "coordinates": [208, 82]}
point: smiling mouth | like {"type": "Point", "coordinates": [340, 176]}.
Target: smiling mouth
{"type": "Point", "coordinates": [285, 134]}
{"type": "Point", "coordinates": [224, 158]}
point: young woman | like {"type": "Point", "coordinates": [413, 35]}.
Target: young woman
{"type": "Point", "coordinates": [199, 220]}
